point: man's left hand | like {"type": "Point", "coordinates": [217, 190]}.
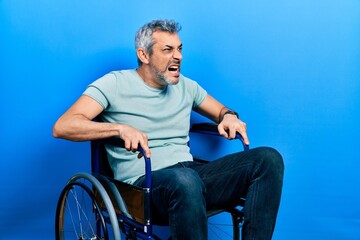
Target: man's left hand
{"type": "Point", "coordinates": [230, 125]}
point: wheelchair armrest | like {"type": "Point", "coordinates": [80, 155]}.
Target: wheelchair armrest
{"type": "Point", "coordinates": [113, 141]}
{"type": "Point", "coordinates": [211, 129]}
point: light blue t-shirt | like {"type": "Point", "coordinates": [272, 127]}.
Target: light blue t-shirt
{"type": "Point", "coordinates": [163, 114]}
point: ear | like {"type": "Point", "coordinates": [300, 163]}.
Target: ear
{"type": "Point", "coordinates": [142, 55]}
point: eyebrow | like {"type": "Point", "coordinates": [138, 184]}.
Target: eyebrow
{"type": "Point", "coordinates": [169, 46]}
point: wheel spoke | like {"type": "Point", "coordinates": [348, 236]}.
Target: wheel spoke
{"type": "Point", "coordinates": [79, 214]}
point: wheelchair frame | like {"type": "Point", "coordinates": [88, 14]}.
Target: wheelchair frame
{"type": "Point", "coordinates": [109, 204]}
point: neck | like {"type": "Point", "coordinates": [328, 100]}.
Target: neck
{"type": "Point", "coordinates": [148, 77]}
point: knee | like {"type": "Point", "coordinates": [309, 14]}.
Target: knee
{"type": "Point", "coordinates": [181, 192]}
{"type": "Point", "coordinates": [188, 183]}
{"type": "Point", "coordinates": [272, 161]}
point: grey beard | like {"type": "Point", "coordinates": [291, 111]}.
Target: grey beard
{"type": "Point", "coordinates": [161, 76]}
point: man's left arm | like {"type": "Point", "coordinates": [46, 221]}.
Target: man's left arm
{"type": "Point", "coordinates": [228, 122]}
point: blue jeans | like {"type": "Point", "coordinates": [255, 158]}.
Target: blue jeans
{"type": "Point", "coordinates": [182, 193]}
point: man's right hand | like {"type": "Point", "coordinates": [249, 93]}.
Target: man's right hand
{"type": "Point", "coordinates": [133, 138]}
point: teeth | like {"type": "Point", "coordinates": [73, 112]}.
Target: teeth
{"type": "Point", "coordinates": [174, 68]}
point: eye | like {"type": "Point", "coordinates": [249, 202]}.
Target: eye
{"type": "Point", "coordinates": [168, 49]}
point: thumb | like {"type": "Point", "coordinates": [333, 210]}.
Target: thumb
{"type": "Point", "coordinates": [222, 131]}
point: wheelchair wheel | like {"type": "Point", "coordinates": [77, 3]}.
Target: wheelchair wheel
{"type": "Point", "coordinates": [220, 231]}
{"type": "Point", "coordinates": [226, 225]}
{"type": "Point", "coordinates": [79, 214]}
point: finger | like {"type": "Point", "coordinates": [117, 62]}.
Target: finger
{"type": "Point", "coordinates": [147, 152]}
{"type": "Point", "coordinates": [245, 137]}
{"type": "Point", "coordinates": [146, 149]}
{"type": "Point", "coordinates": [232, 133]}
{"type": "Point", "coordinates": [144, 146]}
{"type": "Point", "coordinates": [222, 131]}
{"type": "Point", "coordinates": [134, 145]}
{"type": "Point", "coordinates": [127, 145]}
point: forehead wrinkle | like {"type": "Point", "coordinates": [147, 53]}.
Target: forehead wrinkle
{"type": "Point", "coordinates": [167, 39]}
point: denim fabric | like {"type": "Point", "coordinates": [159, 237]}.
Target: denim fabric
{"type": "Point", "coordinates": [182, 193]}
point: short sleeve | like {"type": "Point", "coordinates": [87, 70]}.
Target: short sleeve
{"type": "Point", "coordinates": [102, 90]}
{"type": "Point", "coordinates": [198, 93]}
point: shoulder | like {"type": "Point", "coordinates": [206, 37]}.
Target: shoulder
{"type": "Point", "coordinates": [187, 82]}
{"type": "Point", "coordinates": [111, 79]}
{"type": "Point", "coordinates": [190, 84]}
{"type": "Point", "coordinates": [120, 74]}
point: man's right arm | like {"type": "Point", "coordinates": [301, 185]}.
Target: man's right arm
{"type": "Point", "coordinates": [76, 125]}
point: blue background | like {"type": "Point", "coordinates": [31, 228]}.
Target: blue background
{"type": "Point", "coordinates": [290, 68]}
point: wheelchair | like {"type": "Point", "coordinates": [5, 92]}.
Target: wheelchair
{"type": "Point", "coordinates": [96, 206]}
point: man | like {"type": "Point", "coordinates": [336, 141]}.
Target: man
{"type": "Point", "coordinates": [150, 106]}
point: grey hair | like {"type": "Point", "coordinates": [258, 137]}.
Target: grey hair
{"type": "Point", "coordinates": [144, 39]}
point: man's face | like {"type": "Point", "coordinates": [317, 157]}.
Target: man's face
{"type": "Point", "coordinates": [166, 58]}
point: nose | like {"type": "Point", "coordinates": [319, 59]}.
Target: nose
{"type": "Point", "coordinates": [177, 54]}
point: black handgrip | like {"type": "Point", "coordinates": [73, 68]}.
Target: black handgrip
{"type": "Point", "coordinates": [211, 128]}
{"type": "Point", "coordinates": [208, 127]}
{"type": "Point", "coordinates": [113, 141]}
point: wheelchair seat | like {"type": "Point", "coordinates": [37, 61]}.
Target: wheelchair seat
{"type": "Point", "coordinates": [114, 206]}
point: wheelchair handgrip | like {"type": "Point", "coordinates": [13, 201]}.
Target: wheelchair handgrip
{"type": "Point", "coordinates": [211, 129]}
{"type": "Point", "coordinates": [147, 168]}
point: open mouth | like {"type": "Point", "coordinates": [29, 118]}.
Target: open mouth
{"type": "Point", "coordinates": [174, 68]}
